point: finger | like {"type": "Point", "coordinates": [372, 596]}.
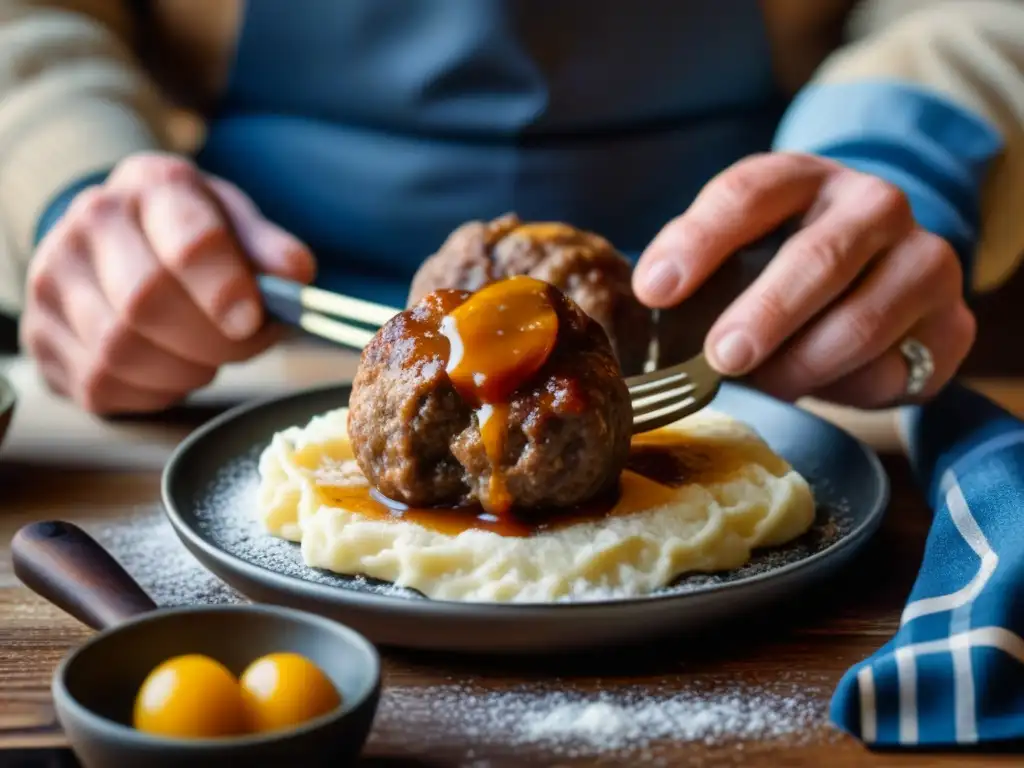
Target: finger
{"type": "Point", "coordinates": [865, 215]}
{"type": "Point", "coordinates": [272, 249]}
{"type": "Point", "coordinates": [118, 348]}
{"type": "Point", "coordinates": [66, 366]}
{"type": "Point", "coordinates": [192, 239]}
{"type": "Point", "coordinates": [908, 283]}
{"type": "Point", "coordinates": [37, 342]}
{"type": "Point", "coordinates": [104, 394]}
{"type": "Point", "coordinates": [740, 205]}
{"type": "Point", "coordinates": [145, 170]}
{"type": "Point", "coordinates": [949, 335]}
{"type": "Point", "coordinates": [145, 295]}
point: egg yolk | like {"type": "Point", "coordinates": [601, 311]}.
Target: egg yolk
{"type": "Point", "coordinates": [282, 690]}
{"type": "Point", "coordinates": [190, 697]}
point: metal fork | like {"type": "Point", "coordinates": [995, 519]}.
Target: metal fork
{"type": "Point", "coordinates": [665, 396]}
{"type": "Point", "coordinates": [659, 398]}
{"type": "Point", "coordinates": [676, 391]}
{"type": "Point", "coordinates": [344, 320]}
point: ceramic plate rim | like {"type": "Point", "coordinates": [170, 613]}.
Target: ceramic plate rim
{"type": "Point", "coordinates": [341, 596]}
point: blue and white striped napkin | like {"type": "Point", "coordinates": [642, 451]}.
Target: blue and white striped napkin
{"type": "Point", "coordinates": [954, 672]}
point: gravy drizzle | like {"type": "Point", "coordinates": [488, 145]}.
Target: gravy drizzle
{"type": "Point", "coordinates": [660, 463]}
{"type": "Point", "coordinates": [498, 339]}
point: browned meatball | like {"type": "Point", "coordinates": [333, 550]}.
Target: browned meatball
{"type": "Point", "coordinates": [582, 264]}
{"type": "Point", "coordinates": [419, 443]}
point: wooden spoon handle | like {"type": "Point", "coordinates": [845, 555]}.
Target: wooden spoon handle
{"type": "Point", "coordinates": [62, 563]}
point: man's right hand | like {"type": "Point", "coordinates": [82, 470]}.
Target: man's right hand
{"type": "Point", "coordinates": [145, 286]}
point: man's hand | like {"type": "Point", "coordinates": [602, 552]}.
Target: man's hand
{"type": "Point", "coordinates": [145, 286]}
{"type": "Point", "coordinates": [827, 316]}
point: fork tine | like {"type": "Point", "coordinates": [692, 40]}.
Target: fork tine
{"type": "Point", "coordinates": [645, 402]}
{"type": "Point", "coordinates": [666, 396]}
{"type": "Point", "coordinates": [656, 376]}
{"type": "Point", "coordinates": [655, 384]}
{"type": "Point", "coordinates": [666, 415]}
{"type": "Point", "coordinates": [669, 414]}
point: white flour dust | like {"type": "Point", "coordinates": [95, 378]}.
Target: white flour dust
{"type": "Point", "coordinates": [149, 550]}
{"type": "Point", "coordinates": [226, 515]}
{"type": "Point", "coordinates": [553, 719]}
{"type": "Point", "coordinates": [621, 722]}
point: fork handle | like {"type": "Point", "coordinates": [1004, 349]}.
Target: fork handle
{"type": "Point", "coordinates": [281, 298]}
{"type": "Point", "coordinates": [681, 329]}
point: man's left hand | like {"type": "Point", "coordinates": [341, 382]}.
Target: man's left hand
{"type": "Point", "coordinates": [827, 316]}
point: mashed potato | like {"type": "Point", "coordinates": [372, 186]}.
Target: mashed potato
{"type": "Point", "coordinates": [737, 496]}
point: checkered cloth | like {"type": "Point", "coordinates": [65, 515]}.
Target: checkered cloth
{"type": "Point", "coordinates": [954, 672]}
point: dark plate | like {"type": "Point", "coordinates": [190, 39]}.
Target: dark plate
{"type": "Point", "coordinates": [209, 494]}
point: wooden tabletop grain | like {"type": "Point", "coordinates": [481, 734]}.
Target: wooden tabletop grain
{"type": "Point", "coordinates": [804, 648]}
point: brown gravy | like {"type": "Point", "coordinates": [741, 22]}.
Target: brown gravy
{"type": "Point", "coordinates": [660, 462]}
{"type": "Point", "coordinates": [498, 338]}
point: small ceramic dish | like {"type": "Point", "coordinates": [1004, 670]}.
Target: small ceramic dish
{"type": "Point", "coordinates": [95, 686]}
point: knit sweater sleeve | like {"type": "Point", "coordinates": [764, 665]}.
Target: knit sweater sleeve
{"type": "Point", "coordinates": [929, 94]}
{"type": "Point", "coordinates": [73, 102]}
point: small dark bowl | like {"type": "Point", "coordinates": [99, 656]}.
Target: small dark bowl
{"type": "Point", "coordinates": [95, 686]}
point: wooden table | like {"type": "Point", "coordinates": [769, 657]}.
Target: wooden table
{"type": "Point", "coordinates": [802, 650]}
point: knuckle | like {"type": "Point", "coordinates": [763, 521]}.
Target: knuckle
{"type": "Point", "coordinates": [175, 170]}
{"type": "Point", "coordinates": [737, 188]}
{"type": "Point", "coordinates": [41, 281]}
{"type": "Point", "coordinates": [210, 239]}
{"type": "Point", "coordinates": [85, 201]}
{"type": "Point", "coordinates": [227, 292]}
{"type": "Point", "coordinates": [155, 167]}
{"type": "Point", "coordinates": [112, 346]}
{"type": "Point", "coordinates": [699, 235]}
{"type": "Point", "coordinates": [136, 305]}
{"type": "Point", "coordinates": [823, 258]}
{"type": "Point", "coordinates": [771, 309]}
{"type": "Point", "coordinates": [938, 262]}
{"type": "Point", "coordinates": [63, 258]}
{"type": "Point", "coordinates": [887, 197]}
{"type": "Point", "coordinates": [97, 206]}
{"type": "Point", "coordinates": [863, 325]}
{"type": "Point", "coordinates": [92, 388]}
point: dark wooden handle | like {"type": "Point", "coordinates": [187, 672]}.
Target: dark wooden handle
{"type": "Point", "coordinates": [682, 329]}
{"type": "Point", "coordinates": [62, 563]}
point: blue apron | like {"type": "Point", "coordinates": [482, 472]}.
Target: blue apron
{"type": "Point", "coordinates": [371, 128]}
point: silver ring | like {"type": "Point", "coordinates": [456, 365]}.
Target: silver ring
{"type": "Point", "coordinates": [920, 365]}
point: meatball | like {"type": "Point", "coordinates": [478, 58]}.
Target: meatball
{"type": "Point", "coordinates": [582, 264]}
{"type": "Point", "coordinates": [417, 438]}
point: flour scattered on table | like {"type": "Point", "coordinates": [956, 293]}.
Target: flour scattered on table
{"type": "Point", "coordinates": [624, 721]}
{"type": "Point", "coordinates": [226, 516]}
{"type": "Point", "coordinates": [627, 723]}
{"type": "Point", "coordinates": [147, 547]}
